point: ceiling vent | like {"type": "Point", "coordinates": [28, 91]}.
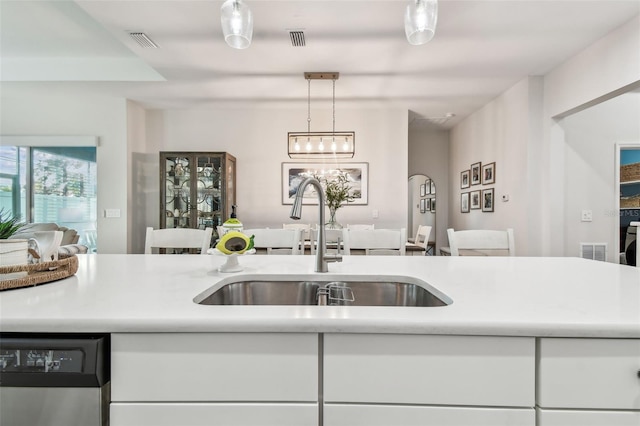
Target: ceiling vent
{"type": "Point", "coordinates": [143, 40]}
{"type": "Point", "coordinates": [297, 38]}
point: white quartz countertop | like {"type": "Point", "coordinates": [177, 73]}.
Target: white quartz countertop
{"type": "Point", "coordinates": [515, 296]}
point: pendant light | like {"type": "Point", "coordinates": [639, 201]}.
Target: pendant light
{"type": "Point", "coordinates": [321, 144]}
{"type": "Point", "coordinates": [420, 21]}
{"type": "Point", "coordinates": [237, 23]}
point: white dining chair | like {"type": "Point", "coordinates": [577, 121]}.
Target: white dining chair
{"type": "Point", "coordinates": [276, 241]}
{"type": "Point", "coordinates": [481, 242]}
{"type": "Point", "coordinates": [178, 239]}
{"type": "Point", "coordinates": [305, 228]}
{"type": "Point", "coordinates": [334, 239]}
{"type": "Point", "coordinates": [421, 240]}
{"type": "Point", "coordinates": [381, 242]}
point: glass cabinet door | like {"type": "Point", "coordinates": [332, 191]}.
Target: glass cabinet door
{"type": "Point", "coordinates": [197, 189]}
{"type": "Point", "coordinates": [177, 192]}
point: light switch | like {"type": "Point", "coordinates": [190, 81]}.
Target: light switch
{"type": "Point", "coordinates": [112, 213]}
{"type": "Point", "coordinates": [587, 215]}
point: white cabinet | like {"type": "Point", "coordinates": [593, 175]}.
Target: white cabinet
{"type": "Point", "coordinates": [214, 379]}
{"type": "Point", "coordinates": [211, 414]}
{"type": "Point", "coordinates": [394, 415]}
{"type": "Point", "coordinates": [434, 370]}
{"type": "Point", "coordinates": [587, 418]}
{"type": "Point", "coordinates": [589, 373]}
{"type": "Point", "coordinates": [582, 381]}
{"type": "Point", "coordinates": [214, 367]}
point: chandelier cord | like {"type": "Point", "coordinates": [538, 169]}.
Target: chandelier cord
{"type": "Point", "coordinates": [334, 110]}
{"type": "Point", "coordinates": [308, 107]}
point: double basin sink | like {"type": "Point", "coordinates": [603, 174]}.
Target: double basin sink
{"type": "Point", "coordinates": [344, 290]}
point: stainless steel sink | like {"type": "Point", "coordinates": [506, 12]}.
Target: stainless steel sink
{"type": "Point", "coordinates": [319, 290]}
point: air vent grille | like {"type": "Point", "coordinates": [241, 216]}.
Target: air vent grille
{"type": "Point", "coordinates": [297, 38]}
{"type": "Point", "coordinates": [594, 251]}
{"type": "Point", "coordinates": [143, 40]}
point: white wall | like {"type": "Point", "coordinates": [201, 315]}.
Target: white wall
{"type": "Point", "coordinates": [258, 140]}
{"type": "Point", "coordinates": [429, 155]}
{"type": "Point", "coordinates": [522, 132]}
{"type": "Point", "coordinates": [591, 136]}
{"type": "Point", "coordinates": [50, 114]}
{"type": "Point", "coordinates": [500, 132]}
{"type": "Point", "coordinates": [603, 69]}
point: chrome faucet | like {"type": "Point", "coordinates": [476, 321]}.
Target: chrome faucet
{"type": "Point", "coordinates": [322, 258]}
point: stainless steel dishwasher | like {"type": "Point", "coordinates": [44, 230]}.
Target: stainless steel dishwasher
{"type": "Point", "coordinates": [54, 379]}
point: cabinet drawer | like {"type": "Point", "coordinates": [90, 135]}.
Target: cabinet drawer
{"type": "Point", "coordinates": [589, 373]}
{"type": "Point", "coordinates": [209, 414]}
{"type": "Point", "coordinates": [588, 418]}
{"type": "Point", "coordinates": [394, 415]}
{"type": "Point", "coordinates": [214, 367]}
{"type": "Point", "coordinates": [459, 370]}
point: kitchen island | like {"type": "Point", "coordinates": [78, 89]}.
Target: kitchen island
{"type": "Point", "coordinates": [549, 340]}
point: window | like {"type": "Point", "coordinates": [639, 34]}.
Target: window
{"type": "Point", "coordinates": [51, 184]}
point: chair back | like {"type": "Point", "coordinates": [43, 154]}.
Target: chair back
{"type": "Point", "coordinates": [305, 228]}
{"type": "Point", "coordinates": [361, 226]}
{"type": "Point", "coordinates": [178, 238]}
{"type": "Point", "coordinates": [481, 242]}
{"type": "Point", "coordinates": [422, 236]}
{"type": "Point", "coordinates": [377, 241]}
{"type": "Point", "coordinates": [276, 241]}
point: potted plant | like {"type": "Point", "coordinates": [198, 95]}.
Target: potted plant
{"type": "Point", "coordinates": [12, 251]}
{"type": "Point", "coordinates": [336, 189]}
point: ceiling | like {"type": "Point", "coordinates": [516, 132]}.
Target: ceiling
{"type": "Point", "coordinates": [481, 48]}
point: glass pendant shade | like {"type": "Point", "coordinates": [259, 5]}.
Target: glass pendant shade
{"type": "Point", "coordinates": [420, 21]}
{"type": "Point", "coordinates": [237, 23]}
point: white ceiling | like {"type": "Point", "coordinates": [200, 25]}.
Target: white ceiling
{"type": "Point", "coordinates": [480, 49]}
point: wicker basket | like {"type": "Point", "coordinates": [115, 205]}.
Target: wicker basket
{"type": "Point", "coordinates": [39, 273]}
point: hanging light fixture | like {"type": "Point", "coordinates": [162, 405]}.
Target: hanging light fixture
{"type": "Point", "coordinates": [317, 142]}
{"type": "Point", "coordinates": [420, 21]}
{"type": "Point", "coordinates": [237, 23]}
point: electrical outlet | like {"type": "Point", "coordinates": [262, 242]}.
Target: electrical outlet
{"type": "Point", "coordinates": [587, 215]}
{"type": "Point", "coordinates": [374, 213]}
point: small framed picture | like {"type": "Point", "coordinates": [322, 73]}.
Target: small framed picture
{"type": "Point", "coordinates": [487, 200]}
{"type": "Point", "coordinates": [464, 179]}
{"type": "Point", "coordinates": [427, 185]}
{"type": "Point", "coordinates": [489, 173]}
{"type": "Point", "coordinates": [423, 190]}
{"type": "Point", "coordinates": [423, 205]}
{"type": "Point", "coordinates": [475, 173]}
{"type": "Point", "coordinates": [428, 207]}
{"type": "Point", "coordinates": [474, 200]}
{"type": "Point", "coordinates": [433, 205]}
{"type": "Point", "coordinates": [432, 191]}
{"type": "Point", "coordinates": [464, 202]}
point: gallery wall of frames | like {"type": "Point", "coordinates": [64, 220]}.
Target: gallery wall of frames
{"type": "Point", "coordinates": [480, 198]}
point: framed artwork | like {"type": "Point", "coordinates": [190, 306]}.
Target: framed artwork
{"type": "Point", "coordinates": [427, 185]}
{"type": "Point", "coordinates": [433, 205]}
{"type": "Point", "coordinates": [464, 202]}
{"type": "Point", "coordinates": [423, 205]}
{"type": "Point", "coordinates": [475, 173]}
{"type": "Point", "coordinates": [294, 173]}
{"type": "Point", "coordinates": [433, 187]}
{"type": "Point", "coordinates": [423, 190]}
{"type": "Point", "coordinates": [464, 179]}
{"type": "Point", "coordinates": [474, 200]}
{"type": "Point", "coordinates": [428, 206]}
{"type": "Point", "coordinates": [489, 173]}
{"type": "Point", "coordinates": [487, 200]}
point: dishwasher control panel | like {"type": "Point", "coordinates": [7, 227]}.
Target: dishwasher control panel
{"type": "Point", "coordinates": [41, 360]}
{"type": "Point", "coordinates": [54, 360]}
